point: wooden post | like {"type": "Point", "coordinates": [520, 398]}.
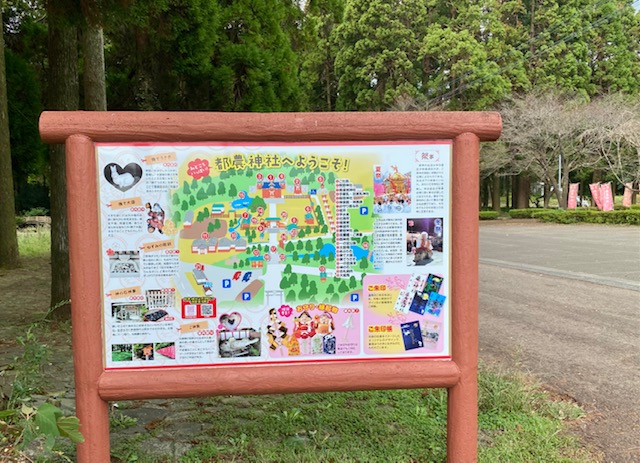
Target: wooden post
{"type": "Point", "coordinates": [462, 422]}
{"type": "Point", "coordinates": [86, 312]}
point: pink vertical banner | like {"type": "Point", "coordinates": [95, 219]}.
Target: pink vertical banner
{"type": "Point", "coordinates": [572, 201]}
{"type": "Point", "coordinates": [595, 194]}
{"type": "Point", "coordinates": [606, 196]}
{"type": "Point", "coordinates": [628, 193]}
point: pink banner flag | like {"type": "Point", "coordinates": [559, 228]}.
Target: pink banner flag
{"type": "Point", "coordinates": [572, 201]}
{"type": "Point", "coordinates": [606, 196]}
{"type": "Point", "coordinates": [628, 193]}
{"type": "Point", "coordinates": [595, 194]}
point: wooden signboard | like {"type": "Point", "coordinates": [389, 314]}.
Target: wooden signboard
{"type": "Point", "coordinates": [229, 252]}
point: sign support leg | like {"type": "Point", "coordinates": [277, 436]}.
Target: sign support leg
{"type": "Point", "coordinates": [462, 423]}
{"type": "Point", "coordinates": [86, 310]}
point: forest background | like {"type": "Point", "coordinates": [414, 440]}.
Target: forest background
{"type": "Point", "coordinates": [564, 74]}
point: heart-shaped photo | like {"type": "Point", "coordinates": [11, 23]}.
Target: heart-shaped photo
{"type": "Point", "coordinates": [123, 178]}
{"type": "Point", "coordinates": [231, 321]}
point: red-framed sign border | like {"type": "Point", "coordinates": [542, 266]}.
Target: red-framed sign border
{"type": "Point", "coordinates": [95, 386]}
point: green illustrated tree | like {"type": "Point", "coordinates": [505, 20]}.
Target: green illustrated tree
{"type": "Point", "coordinates": [313, 288]}
{"type": "Point", "coordinates": [211, 190]}
{"type": "Point", "coordinates": [201, 195]}
{"type": "Point", "coordinates": [287, 269]}
{"type": "Point", "coordinates": [233, 191]}
{"type": "Point", "coordinates": [291, 296]}
{"type": "Point", "coordinates": [257, 202]}
{"type": "Point", "coordinates": [364, 264]}
{"type": "Point", "coordinates": [192, 201]}
{"type": "Point", "coordinates": [184, 207]}
{"type": "Point", "coordinates": [343, 288]}
{"type": "Point", "coordinates": [221, 188]}
{"type": "Point", "coordinates": [352, 282]}
{"type": "Point", "coordinates": [186, 190]}
{"type": "Point", "coordinates": [210, 227]}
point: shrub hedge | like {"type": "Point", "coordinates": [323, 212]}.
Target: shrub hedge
{"type": "Point", "coordinates": [629, 216]}
{"type": "Point", "coordinates": [522, 213]}
{"type": "Point", "coordinates": [489, 215]}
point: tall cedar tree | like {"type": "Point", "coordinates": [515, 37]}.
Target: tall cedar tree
{"type": "Point", "coordinates": [378, 43]}
{"type": "Point", "coordinates": [558, 56]}
{"type": "Point", "coordinates": [8, 235]}
{"type": "Point", "coordinates": [63, 95]}
{"type": "Point", "coordinates": [457, 69]}
{"type": "Point", "coordinates": [254, 66]}
{"type": "Point", "coordinates": [318, 54]}
{"type": "Point", "coordinates": [614, 45]}
{"type": "Point", "coordinates": [160, 54]}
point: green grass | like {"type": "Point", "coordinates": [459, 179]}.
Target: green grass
{"type": "Point", "coordinates": [518, 423]}
{"type": "Point", "coordinates": [35, 242]}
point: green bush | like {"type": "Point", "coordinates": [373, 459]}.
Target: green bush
{"type": "Point", "coordinates": [521, 213]}
{"type": "Point", "coordinates": [489, 215]}
{"type": "Point", "coordinates": [627, 216]}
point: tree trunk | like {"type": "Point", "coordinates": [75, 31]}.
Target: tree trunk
{"type": "Point", "coordinates": [495, 193]}
{"type": "Point", "coordinates": [547, 195]}
{"type": "Point", "coordinates": [8, 235]}
{"type": "Point", "coordinates": [484, 193]}
{"type": "Point", "coordinates": [63, 96]}
{"type": "Point", "coordinates": [521, 200]}
{"type": "Point", "coordinates": [95, 92]}
{"type": "Point", "coordinates": [507, 189]}
{"type": "Point", "coordinates": [565, 186]}
{"type": "Point", "coordinates": [515, 188]}
{"type": "Point", "coordinates": [596, 176]}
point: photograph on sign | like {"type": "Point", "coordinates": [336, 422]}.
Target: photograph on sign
{"type": "Point", "coordinates": [216, 254]}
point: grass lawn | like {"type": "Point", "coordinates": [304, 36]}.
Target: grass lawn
{"type": "Point", "coordinates": [518, 423]}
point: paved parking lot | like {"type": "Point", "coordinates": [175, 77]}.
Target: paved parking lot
{"type": "Point", "coordinates": [602, 254]}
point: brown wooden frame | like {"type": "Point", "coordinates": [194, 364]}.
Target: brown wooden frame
{"type": "Point", "coordinates": [95, 386]}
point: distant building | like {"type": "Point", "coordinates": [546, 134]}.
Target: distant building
{"type": "Point", "coordinates": [271, 188]}
{"type": "Point", "coordinates": [217, 209]}
{"type": "Point", "coordinates": [199, 276]}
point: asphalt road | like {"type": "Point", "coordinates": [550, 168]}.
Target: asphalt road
{"type": "Point", "coordinates": [563, 303]}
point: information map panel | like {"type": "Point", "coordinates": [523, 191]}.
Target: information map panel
{"type": "Point", "coordinates": [218, 254]}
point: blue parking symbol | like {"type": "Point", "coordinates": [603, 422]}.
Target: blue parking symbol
{"type": "Point", "coordinates": [246, 296]}
{"type": "Point", "coordinates": [364, 210]}
{"type": "Point", "coordinates": [313, 191]}
{"type": "Point", "coordinates": [355, 297]}
{"type": "Point", "coordinates": [226, 283]}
